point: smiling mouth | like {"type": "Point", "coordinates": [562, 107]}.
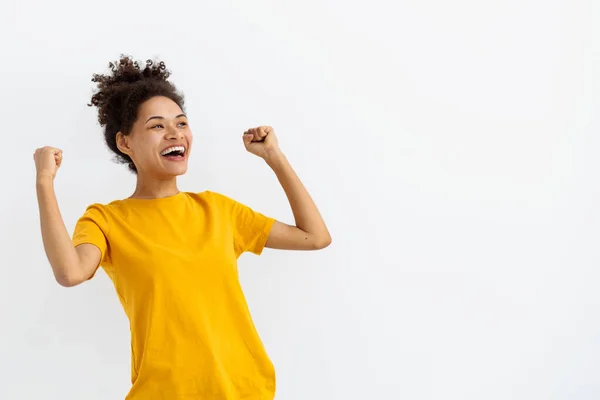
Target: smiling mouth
{"type": "Point", "coordinates": [174, 153]}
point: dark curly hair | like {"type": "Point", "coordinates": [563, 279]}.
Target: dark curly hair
{"type": "Point", "coordinates": [121, 93]}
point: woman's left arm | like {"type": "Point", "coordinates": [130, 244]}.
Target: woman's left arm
{"type": "Point", "coordinates": [310, 232]}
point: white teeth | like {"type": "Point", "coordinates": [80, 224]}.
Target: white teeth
{"type": "Point", "coordinates": [174, 148]}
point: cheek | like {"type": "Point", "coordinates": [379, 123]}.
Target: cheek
{"type": "Point", "coordinates": [145, 151]}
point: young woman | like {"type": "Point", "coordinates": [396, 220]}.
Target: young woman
{"type": "Point", "coordinates": [171, 255]}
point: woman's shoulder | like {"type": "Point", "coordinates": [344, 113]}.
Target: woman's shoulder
{"type": "Point", "coordinates": [214, 200]}
{"type": "Point", "coordinates": [208, 196]}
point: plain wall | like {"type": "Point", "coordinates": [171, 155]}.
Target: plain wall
{"type": "Point", "coordinates": [452, 148]}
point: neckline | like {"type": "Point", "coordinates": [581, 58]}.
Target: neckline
{"type": "Point", "coordinates": [155, 199]}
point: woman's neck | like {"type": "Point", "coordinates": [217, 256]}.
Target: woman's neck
{"type": "Point", "coordinates": [147, 188]}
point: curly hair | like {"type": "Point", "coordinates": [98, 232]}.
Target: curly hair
{"type": "Point", "coordinates": [120, 94]}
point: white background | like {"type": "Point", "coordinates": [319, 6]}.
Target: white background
{"type": "Point", "coordinates": [452, 147]}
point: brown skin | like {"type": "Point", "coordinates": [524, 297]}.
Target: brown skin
{"type": "Point", "coordinates": [157, 177]}
{"type": "Point", "coordinates": [70, 266]}
{"type": "Point", "coordinates": [160, 124]}
{"type": "Point", "coordinates": [310, 231]}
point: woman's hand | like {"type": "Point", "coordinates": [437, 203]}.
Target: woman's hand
{"type": "Point", "coordinates": [47, 161]}
{"type": "Point", "coordinates": [261, 142]}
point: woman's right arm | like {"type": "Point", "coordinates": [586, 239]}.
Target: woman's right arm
{"type": "Point", "coordinates": [71, 265]}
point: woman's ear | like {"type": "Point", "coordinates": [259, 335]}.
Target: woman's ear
{"type": "Point", "coordinates": [123, 143]}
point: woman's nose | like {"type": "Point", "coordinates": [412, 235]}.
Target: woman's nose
{"type": "Point", "coordinates": [173, 133]}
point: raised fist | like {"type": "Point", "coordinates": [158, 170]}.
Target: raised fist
{"type": "Point", "coordinates": [47, 161]}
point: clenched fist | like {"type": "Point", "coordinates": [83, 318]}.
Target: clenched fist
{"type": "Point", "coordinates": [47, 161]}
{"type": "Point", "coordinates": [261, 141]}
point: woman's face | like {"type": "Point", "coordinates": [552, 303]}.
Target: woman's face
{"type": "Point", "coordinates": [160, 141]}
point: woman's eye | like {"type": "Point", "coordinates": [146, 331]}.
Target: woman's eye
{"type": "Point", "coordinates": [157, 126]}
{"type": "Point", "coordinates": [183, 124]}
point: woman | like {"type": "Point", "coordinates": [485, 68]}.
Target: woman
{"type": "Point", "coordinates": [171, 255]}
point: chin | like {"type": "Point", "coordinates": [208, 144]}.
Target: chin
{"type": "Point", "coordinates": [177, 171]}
{"type": "Point", "coordinates": [172, 171]}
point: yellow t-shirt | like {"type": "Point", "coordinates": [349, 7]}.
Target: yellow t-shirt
{"type": "Point", "coordinates": [173, 262]}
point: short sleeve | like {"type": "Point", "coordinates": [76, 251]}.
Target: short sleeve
{"type": "Point", "coordinates": [250, 228]}
{"type": "Point", "coordinates": [92, 228]}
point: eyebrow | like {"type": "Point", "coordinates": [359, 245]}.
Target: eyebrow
{"type": "Point", "coordinates": [157, 117]}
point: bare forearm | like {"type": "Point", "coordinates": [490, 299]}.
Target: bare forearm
{"type": "Point", "coordinates": [57, 243]}
{"type": "Point", "coordinates": [306, 214]}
